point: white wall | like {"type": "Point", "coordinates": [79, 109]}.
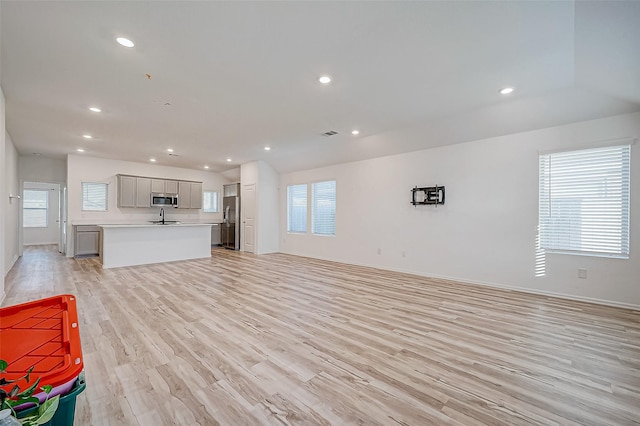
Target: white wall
{"type": "Point", "coordinates": [2, 190]}
{"type": "Point", "coordinates": [81, 169]}
{"type": "Point", "coordinates": [266, 182]}
{"type": "Point", "coordinates": [268, 212]}
{"type": "Point", "coordinates": [41, 169]}
{"type": "Point", "coordinates": [486, 231]}
{"type": "Point", "coordinates": [12, 206]}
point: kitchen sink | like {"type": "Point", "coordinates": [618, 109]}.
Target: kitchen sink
{"type": "Point", "coordinates": [166, 222]}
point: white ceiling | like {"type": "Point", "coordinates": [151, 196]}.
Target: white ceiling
{"type": "Point", "coordinates": [242, 75]}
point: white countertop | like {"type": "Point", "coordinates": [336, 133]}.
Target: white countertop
{"type": "Point", "coordinates": [153, 225]}
{"type": "Point", "coordinates": [142, 222]}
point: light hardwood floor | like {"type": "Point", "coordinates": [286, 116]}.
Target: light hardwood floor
{"type": "Point", "coordinates": [276, 339]}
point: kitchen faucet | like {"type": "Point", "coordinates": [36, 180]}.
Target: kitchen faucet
{"type": "Point", "coordinates": [162, 214]}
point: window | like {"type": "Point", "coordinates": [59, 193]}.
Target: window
{"type": "Point", "coordinates": [297, 208]}
{"type": "Point", "coordinates": [34, 208]}
{"type": "Point", "coordinates": [323, 210]}
{"type": "Point", "coordinates": [584, 201]}
{"type": "Point", "coordinates": [94, 196]}
{"type": "Point", "coordinates": [210, 202]}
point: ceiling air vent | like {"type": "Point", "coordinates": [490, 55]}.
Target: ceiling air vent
{"type": "Point", "coordinates": [329, 133]}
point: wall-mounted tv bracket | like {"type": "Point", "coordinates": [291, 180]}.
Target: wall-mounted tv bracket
{"type": "Point", "coordinates": [428, 195]}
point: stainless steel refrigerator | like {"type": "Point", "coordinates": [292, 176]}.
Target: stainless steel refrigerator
{"type": "Point", "coordinates": [230, 227]}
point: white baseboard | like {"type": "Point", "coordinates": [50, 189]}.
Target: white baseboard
{"type": "Point", "coordinates": [545, 293]}
{"type": "Point", "coordinates": [2, 295]}
{"type": "Point", "coordinates": [11, 263]}
{"type": "Point", "coordinates": [573, 297]}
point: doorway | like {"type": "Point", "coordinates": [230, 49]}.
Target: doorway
{"type": "Point", "coordinates": [43, 216]}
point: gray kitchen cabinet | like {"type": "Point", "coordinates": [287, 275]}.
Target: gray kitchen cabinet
{"type": "Point", "coordinates": [171, 186]}
{"type": "Point", "coordinates": [126, 191]}
{"type": "Point", "coordinates": [87, 242]}
{"type": "Point", "coordinates": [158, 186]}
{"type": "Point", "coordinates": [143, 192]}
{"type": "Point", "coordinates": [196, 195]}
{"type": "Point", "coordinates": [135, 191]}
{"type": "Point", "coordinates": [215, 234]}
{"type": "Point", "coordinates": [184, 195]}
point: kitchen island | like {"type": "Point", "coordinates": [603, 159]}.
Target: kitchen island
{"type": "Point", "coordinates": [128, 245]}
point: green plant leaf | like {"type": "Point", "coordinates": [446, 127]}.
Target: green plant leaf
{"type": "Point", "coordinates": [47, 410]}
{"type": "Point", "coordinates": [28, 375]}
{"type": "Point", "coordinates": [47, 389]}
{"type": "Point", "coordinates": [14, 403]}
{"type": "Point", "coordinates": [29, 421]}
{"type": "Point", "coordinates": [29, 391]}
{"type": "Point", "coordinates": [3, 365]}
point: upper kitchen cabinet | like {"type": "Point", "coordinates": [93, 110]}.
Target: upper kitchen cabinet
{"type": "Point", "coordinates": [189, 195]}
{"type": "Point", "coordinates": [143, 192]}
{"type": "Point", "coordinates": [171, 186]}
{"type": "Point", "coordinates": [196, 195]}
{"type": "Point", "coordinates": [126, 191]}
{"type": "Point", "coordinates": [162, 186]}
{"type": "Point", "coordinates": [184, 195]}
{"type": "Point", "coordinates": [158, 186]}
{"type": "Point", "coordinates": [135, 191]}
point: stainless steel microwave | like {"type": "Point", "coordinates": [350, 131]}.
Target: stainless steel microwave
{"type": "Point", "coordinates": [164, 200]}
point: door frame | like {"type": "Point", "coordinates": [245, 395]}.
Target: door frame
{"type": "Point", "coordinates": [62, 206]}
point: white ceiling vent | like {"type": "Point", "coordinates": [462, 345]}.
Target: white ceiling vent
{"type": "Point", "coordinates": [330, 133]}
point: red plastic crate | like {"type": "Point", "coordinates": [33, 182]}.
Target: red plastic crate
{"type": "Point", "coordinates": [43, 334]}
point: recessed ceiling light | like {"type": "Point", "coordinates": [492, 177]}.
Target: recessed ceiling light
{"type": "Point", "coordinates": [506, 90]}
{"type": "Point", "coordinates": [169, 149]}
{"type": "Point", "coordinates": [87, 136]}
{"type": "Point", "coordinates": [355, 132]}
{"type": "Point", "coordinates": [80, 150]}
{"type": "Point", "coordinates": [206, 167]}
{"type": "Point", "coordinates": [125, 42]}
{"type": "Point", "coordinates": [267, 148]}
{"type": "Point", "coordinates": [228, 160]}
{"type": "Point", "coordinates": [95, 109]}
{"type": "Point", "coordinates": [325, 79]}
{"type": "Point", "coordinates": [153, 160]}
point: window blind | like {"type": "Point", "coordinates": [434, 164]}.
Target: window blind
{"type": "Point", "coordinates": [94, 196]}
{"type": "Point", "coordinates": [35, 205]}
{"type": "Point", "coordinates": [584, 201]}
{"type": "Point", "coordinates": [210, 203]}
{"type": "Point", "coordinates": [323, 212]}
{"type": "Point", "coordinates": [297, 208]}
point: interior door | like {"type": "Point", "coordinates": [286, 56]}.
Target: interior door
{"type": "Point", "coordinates": [62, 244]}
{"type": "Point", "coordinates": [249, 218]}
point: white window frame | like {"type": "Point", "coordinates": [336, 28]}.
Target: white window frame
{"type": "Point", "coordinates": [106, 196]}
{"type": "Point", "coordinates": [584, 200]}
{"type": "Point", "coordinates": [290, 229]}
{"type": "Point", "coordinates": [315, 222]}
{"type": "Point", "coordinates": [46, 208]}
{"type": "Point", "coordinates": [216, 197]}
